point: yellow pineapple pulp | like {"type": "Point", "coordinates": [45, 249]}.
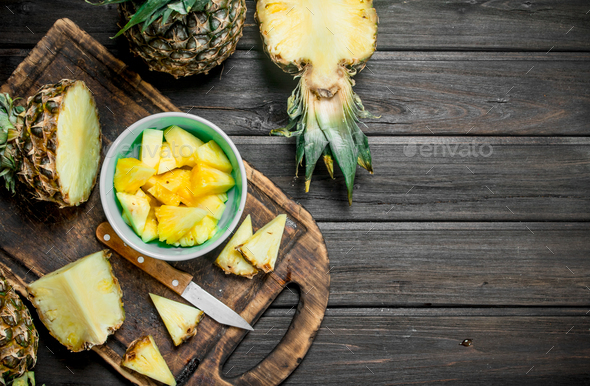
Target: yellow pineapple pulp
{"type": "Point", "coordinates": [212, 155]}
{"type": "Point", "coordinates": [151, 144]}
{"type": "Point", "coordinates": [207, 180]}
{"type": "Point", "coordinates": [180, 320]}
{"type": "Point", "coordinates": [143, 356]}
{"type": "Point", "coordinates": [230, 260]}
{"type": "Point", "coordinates": [175, 221]}
{"type": "Point", "coordinates": [201, 232]}
{"type": "Point", "coordinates": [164, 195]}
{"type": "Point", "coordinates": [131, 174]}
{"type": "Point", "coordinates": [135, 209]}
{"type": "Point", "coordinates": [262, 248]}
{"type": "Point", "coordinates": [183, 145]}
{"type": "Point", "coordinates": [81, 303]}
{"type": "Point", "coordinates": [167, 160]}
{"type": "Point", "coordinates": [150, 231]}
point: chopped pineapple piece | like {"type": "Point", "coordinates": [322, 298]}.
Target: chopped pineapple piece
{"type": "Point", "coordinates": [211, 203]}
{"type": "Point", "coordinates": [130, 174]}
{"type": "Point", "coordinates": [80, 304]}
{"type": "Point", "coordinates": [174, 179]}
{"type": "Point", "coordinates": [201, 232]}
{"type": "Point", "coordinates": [262, 249]}
{"type": "Point", "coordinates": [149, 183]}
{"type": "Point", "coordinates": [212, 155]}
{"type": "Point", "coordinates": [150, 231]}
{"type": "Point", "coordinates": [164, 195]}
{"type": "Point", "coordinates": [184, 145]}
{"type": "Point", "coordinates": [136, 209]}
{"type": "Point", "coordinates": [230, 260]}
{"type": "Point", "coordinates": [175, 221]}
{"type": "Point", "coordinates": [151, 144]}
{"type": "Point", "coordinates": [207, 180]}
{"type": "Point", "coordinates": [144, 357]}
{"type": "Point", "coordinates": [222, 197]}
{"type": "Point", "coordinates": [167, 160]}
{"type": "Point", "coordinates": [180, 320]}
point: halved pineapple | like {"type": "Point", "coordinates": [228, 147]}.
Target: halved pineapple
{"type": "Point", "coordinates": [150, 231]}
{"type": "Point", "coordinates": [262, 249]}
{"type": "Point", "coordinates": [230, 260]}
{"type": "Point", "coordinates": [175, 221]}
{"type": "Point", "coordinates": [167, 160]}
{"type": "Point", "coordinates": [131, 174]}
{"type": "Point", "coordinates": [212, 155]}
{"type": "Point", "coordinates": [144, 357]}
{"type": "Point", "coordinates": [180, 320]}
{"type": "Point", "coordinates": [136, 209]}
{"type": "Point", "coordinates": [81, 303]}
{"type": "Point", "coordinates": [151, 144]}
{"type": "Point", "coordinates": [164, 195]}
{"type": "Point", "coordinates": [201, 232]}
{"type": "Point", "coordinates": [184, 145]}
{"type": "Point", "coordinates": [207, 180]}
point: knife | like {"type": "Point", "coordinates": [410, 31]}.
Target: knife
{"type": "Point", "coordinates": [178, 281]}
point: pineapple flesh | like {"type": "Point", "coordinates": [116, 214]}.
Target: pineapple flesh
{"type": "Point", "coordinates": [143, 356]}
{"type": "Point", "coordinates": [151, 144]}
{"type": "Point", "coordinates": [207, 180]}
{"type": "Point", "coordinates": [81, 303]}
{"type": "Point", "coordinates": [135, 209]}
{"type": "Point", "coordinates": [183, 145]}
{"type": "Point", "coordinates": [262, 248]}
{"type": "Point", "coordinates": [175, 221]}
{"type": "Point", "coordinates": [53, 145]}
{"type": "Point", "coordinates": [180, 320]}
{"type": "Point", "coordinates": [325, 43]}
{"type": "Point", "coordinates": [167, 160]}
{"type": "Point", "coordinates": [131, 174]}
{"type": "Point", "coordinates": [212, 155]}
{"type": "Point", "coordinates": [230, 260]}
{"type": "Point", "coordinates": [19, 338]}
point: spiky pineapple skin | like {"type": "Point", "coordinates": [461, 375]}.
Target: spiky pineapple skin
{"type": "Point", "coordinates": [38, 143]}
{"type": "Point", "coordinates": [187, 44]}
{"type": "Point", "coordinates": [19, 338]}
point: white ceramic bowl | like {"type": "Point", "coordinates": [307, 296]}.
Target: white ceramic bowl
{"type": "Point", "coordinates": [128, 145]}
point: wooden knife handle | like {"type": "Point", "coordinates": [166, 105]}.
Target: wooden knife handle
{"type": "Point", "coordinates": [163, 272]}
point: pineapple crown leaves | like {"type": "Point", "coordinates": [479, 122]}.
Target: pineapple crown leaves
{"type": "Point", "coordinates": [151, 10]}
{"type": "Point", "coordinates": [10, 116]}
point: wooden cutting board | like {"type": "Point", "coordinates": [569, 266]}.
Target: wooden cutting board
{"type": "Point", "coordinates": [37, 238]}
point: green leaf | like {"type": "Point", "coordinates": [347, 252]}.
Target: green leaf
{"type": "Point", "coordinates": [178, 6]}
{"type": "Point", "coordinates": [166, 15]}
{"type": "Point", "coordinates": [153, 18]}
{"type": "Point", "coordinates": [143, 13]}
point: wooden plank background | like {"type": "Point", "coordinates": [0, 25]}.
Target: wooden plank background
{"type": "Point", "coordinates": [437, 248]}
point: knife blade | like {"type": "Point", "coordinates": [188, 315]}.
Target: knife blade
{"type": "Point", "coordinates": [178, 281]}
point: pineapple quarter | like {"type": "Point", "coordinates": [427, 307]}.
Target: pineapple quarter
{"type": "Point", "coordinates": [81, 303]}
{"type": "Point", "coordinates": [143, 356]}
{"type": "Point", "coordinates": [151, 144]}
{"type": "Point", "coordinates": [262, 248]}
{"type": "Point", "coordinates": [230, 260]}
{"type": "Point", "coordinates": [180, 320]}
{"type": "Point", "coordinates": [325, 43]}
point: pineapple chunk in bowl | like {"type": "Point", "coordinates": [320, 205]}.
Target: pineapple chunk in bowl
{"type": "Point", "coordinates": [128, 145]}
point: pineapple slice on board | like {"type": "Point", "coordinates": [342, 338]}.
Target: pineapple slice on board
{"type": "Point", "coordinates": [131, 174]}
{"type": "Point", "coordinates": [180, 320]}
{"type": "Point", "coordinates": [167, 160]}
{"type": "Point", "coordinates": [262, 248]}
{"type": "Point", "coordinates": [230, 260]}
{"type": "Point", "coordinates": [81, 303]}
{"type": "Point", "coordinates": [212, 155]}
{"type": "Point", "coordinates": [151, 144]}
{"type": "Point", "coordinates": [183, 144]}
{"type": "Point", "coordinates": [207, 180]}
{"type": "Point", "coordinates": [175, 221]}
{"type": "Point", "coordinates": [144, 357]}
{"type": "Point", "coordinates": [135, 209]}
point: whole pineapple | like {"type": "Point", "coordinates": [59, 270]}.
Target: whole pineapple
{"type": "Point", "coordinates": [53, 145]}
{"type": "Point", "coordinates": [182, 37]}
{"type": "Point", "coordinates": [18, 337]}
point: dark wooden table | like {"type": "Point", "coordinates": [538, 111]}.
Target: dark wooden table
{"type": "Point", "coordinates": [475, 224]}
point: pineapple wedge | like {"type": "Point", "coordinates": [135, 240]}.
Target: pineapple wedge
{"type": "Point", "coordinates": [151, 144]}
{"type": "Point", "coordinates": [262, 249]}
{"type": "Point", "coordinates": [131, 174]}
{"type": "Point", "coordinates": [81, 303]}
{"type": "Point", "coordinates": [212, 155]}
{"type": "Point", "coordinates": [174, 179]}
{"type": "Point", "coordinates": [184, 145]}
{"type": "Point", "coordinates": [136, 209]}
{"type": "Point", "coordinates": [167, 160]}
{"type": "Point", "coordinates": [175, 221]}
{"type": "Point", "coordinates": [222, 197]}
{"type": "Point", "coordinates": [230, 260]}
{"type": "Point", "coordinates": [201, 232]}
{"type": "Point", "coordinates": [144, 357]}
{"type": "Point", "coordinates": [150, 231]}
{"type": "Point", "coordinates": [180, 320]}
{"type": "Point", "coordinates": [164, 195]}
{"type": "Point", "coordinates": [207, 180]}
{"type": "Point", "coordinates": [211, 203]}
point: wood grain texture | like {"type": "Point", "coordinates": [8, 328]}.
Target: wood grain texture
{"type": "Point", "coordinates": [33, 225]}
{"type": "Point", "coordinates": [403, 25]}
{"type": "Point", "coordinates": [423, 93]}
